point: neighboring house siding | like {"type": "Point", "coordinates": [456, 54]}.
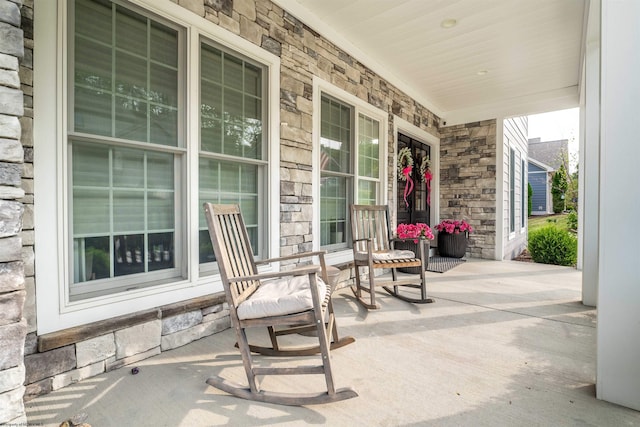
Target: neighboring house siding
{"type": "Point", "coordinates": [538, 178]}
{"type": "Point", "coordinates": [514, 151]}
{"type": "Point", "coordinates": [468, 182]}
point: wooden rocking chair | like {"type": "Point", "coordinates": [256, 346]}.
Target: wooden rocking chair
{"type": "Point", "coordinates": [373, 247]}
{"type": "Point", "coordinates": [296, 301]}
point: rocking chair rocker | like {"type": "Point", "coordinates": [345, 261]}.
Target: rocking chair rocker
{"type": "Point", "coordinates": [373, 247]}
{"type": "Point", "coordinates": [285, 302]}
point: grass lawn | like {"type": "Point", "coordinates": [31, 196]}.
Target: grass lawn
{"type": "Point", "coordinates": [537, 222]}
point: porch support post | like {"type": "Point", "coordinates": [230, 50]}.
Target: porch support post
{"type": "Point", "coordinates": [618, 376]}
{"type": "Point", "coordinates": [590, 160]}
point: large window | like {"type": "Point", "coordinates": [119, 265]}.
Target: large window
{"type": "Point", "coordinates": [523, 194]}
{"type": "Point", "coordinates": [128, 152]}
{"type": "Point", "coordinates": [125, 150]}
{"type": "Point", "coordinates": [512, 191]}
{"type": "Point", "coordinates": [232, 160]}
{"type": "Point", "coordinates": [350, 153]}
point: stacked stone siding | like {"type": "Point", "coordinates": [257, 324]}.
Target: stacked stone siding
{"type": "Point", "coordinates": [468, 181]}
{"type": "Point", "coordinates": [12, 270]}
{"type": "Point", "coordinates": [172, 327]}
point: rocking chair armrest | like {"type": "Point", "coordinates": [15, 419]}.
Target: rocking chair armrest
{"type": "Point", "coordinates": [310, 269]}
{"type": "Point", "coordinates": [367, 239]}
{"type": "Point", "coordinates": [294, 256]}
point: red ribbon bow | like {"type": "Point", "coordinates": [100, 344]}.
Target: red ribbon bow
{"type": "Point", "coordinates": [409, 187]}
{"type": "Point", "coordinates": [427, 178]}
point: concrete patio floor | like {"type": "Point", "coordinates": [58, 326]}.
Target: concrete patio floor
{"type": "Point", "coordinates": [505, 344]}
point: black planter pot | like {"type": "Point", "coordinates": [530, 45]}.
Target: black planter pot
{"type": "Point", "coordinates": [452, 245]}
{"type": "Point", "coordinates": [409, 245]}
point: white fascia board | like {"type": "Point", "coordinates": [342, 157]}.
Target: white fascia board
{"type": "Point", "coordinates": [540, 165]}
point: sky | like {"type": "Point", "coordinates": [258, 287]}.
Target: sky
{"type": "Point", "coordinates": [563, 124]}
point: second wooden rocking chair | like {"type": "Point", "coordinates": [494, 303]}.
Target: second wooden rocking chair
{"type": "Point", "coordinates": [296, 300]}
{"type": "Point", "coordinates": [374, 248]}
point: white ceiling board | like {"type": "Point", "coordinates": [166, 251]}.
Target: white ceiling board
{"type": "Point", "coordinates": [529, 47]}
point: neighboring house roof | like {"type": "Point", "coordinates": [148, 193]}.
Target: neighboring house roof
{"type": "Point", "coordinates": [541, 165]}
{"type": "Point", "coordinates": [551, 153]}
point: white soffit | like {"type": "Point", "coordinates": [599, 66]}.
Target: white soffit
{"type": "Point", "coordinates": [501, 58]}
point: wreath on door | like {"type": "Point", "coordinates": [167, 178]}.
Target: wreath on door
{"type": "Point", "coordinates": [405, 167]}
{"type": "Point", "coordinates": [426, 176]}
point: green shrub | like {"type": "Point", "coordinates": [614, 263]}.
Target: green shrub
{"type": "Point", "coordinates": [552, 245]}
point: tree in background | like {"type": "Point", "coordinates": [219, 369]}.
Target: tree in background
{"type": "Point", "coordinates": [559, 185]}
{"type": "Point", "coordinates": [571, 198]}
{"type": "Point", "coordinates": [530, 196]}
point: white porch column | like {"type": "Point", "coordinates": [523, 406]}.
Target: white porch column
{"type": "Point", "coordinates": [618, 372]}
{"type": "Point", "coordinates": [590, 159]}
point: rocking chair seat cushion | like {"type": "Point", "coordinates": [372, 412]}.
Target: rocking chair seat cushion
{"type": "Point", "coordinates": [279, 297]}
{"type": "Point", "coordinates": [396, 254]}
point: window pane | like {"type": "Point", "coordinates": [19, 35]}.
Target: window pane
{"type": "Point", "coordinates": [252, 127]}
{"type": "Point", "coordinates": [231, 105]}
{"type": "Point", "coordinates": [90, 165]}
{"type": "Point", "coordinates": [211, 64]}
{"type": "Point", "coordinates": [160, 171]}
{"type": "Point", "coordinates": [129, 254]}
{"type": "Point", "coordinates": [162, 41]}
{"type": "Point", "coordinates": [367, 192]}
{"type": "Point", "coordinates": [333, 215]}
{"type": "Point", "coordinates": [90, 211]}
{"type": "Point", "coordinates": [128, 90]}
{"type": "Point", "coordinates": [99, 26]}
{"type": "Point", "coordinates": [128, 211]}
{"type": "Point", "coordinates": [160, 210]}
{"type": "Point", "coordinates": [131, 31]}
{"type": "Point", "coordinates": [161, 253]}
{"type": "Point", "coordinates": [512, 191]}
{"type": "Point", "coordinates": [164, 105]}
{"type": "Point", "coordinates": [233, 72]}
{"type": "Point", "coordinates": [368, 149]}
{"type": "Point", "coordinates": [92, 258]}
{"type": "Point", "coordinates": [335, 136]}
{"type": "Point", "coordinates": [252, 79]}
{"type": "Point", "coordinates": [229, 183]}
{"type": "Point", "coordinates": [113, 200]}
{"type": "Point", "coordinates": [93, 92]}
{"type": "Point", "coordinates": [128, 168]}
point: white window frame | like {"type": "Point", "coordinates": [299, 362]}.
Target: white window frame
{"type": "Point", "coordinates": [320, 87]}
{"type": "Point", "coordinates": [524, 189]}
{"type": "Point", "coordinates": [55, 311]}
{"type": "Point", "coordinates": [512, 197]}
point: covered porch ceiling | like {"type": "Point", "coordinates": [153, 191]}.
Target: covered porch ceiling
{"type": "Point", "coordinates": [500, 58]}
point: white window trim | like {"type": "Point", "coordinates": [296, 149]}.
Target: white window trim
{"type": "Point", "coordinates": [321, 86]}
{"type": "Point", "coordinates": [54, 310]}
{"type": "Point", "coordinates": [409, 129]}
{"type": "Point", "coordinates": [512, 147]}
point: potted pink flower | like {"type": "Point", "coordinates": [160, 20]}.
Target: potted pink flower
{"type": "Point", "coordinates": [414, 237]}
{"type": "Point", "coordinates": [452, 237]}
{"type": "Point", "coordinates": [416, 231]}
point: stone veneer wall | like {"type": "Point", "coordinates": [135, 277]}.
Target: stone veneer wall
{"type": "Point", "coordinates": [304, 54]}
{"type": "Point", "coordinates": [468, 181]}
{"type": "Point", "coordinates": [145, 335]}
{"type": "Point", "coordinates": [12, 283]}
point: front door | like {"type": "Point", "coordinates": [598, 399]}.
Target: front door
{"type": "Point", "coordinates": [416, 208]}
